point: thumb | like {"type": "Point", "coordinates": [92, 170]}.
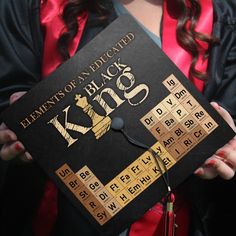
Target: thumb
{"type": "Point", "coordinates": [225, 115]}
{"type": "Point", "coordinates": [15, 96]}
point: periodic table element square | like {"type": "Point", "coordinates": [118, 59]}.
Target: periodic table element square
{"type": "Point", "coordinates": [169, 121]}
{"type": "Point", "coordinates": [187, 142]}
{"type": "Point", "coordinates": [146, 159]}
{"type": "Point", "coordinates": [198, 133]}
{"type": "Point", "coordinates": [124, 198]}
{"type": "Point", "coordinates": [159, 130]}
{"type": "Point", "coordinates": [101, 215]}
{"type": "Point", "coordinates": [94, 185]}
{"type": "Point", "coordinates": [189, 123]}
{"type": "Point", "coordinates": [178, 132]}
{"type": "Point", "coordinates": [171, 82]}
{"type": "Point", "coordinates": [199, 114]}
{"type": "Point", "coordinates": [168, 160]}
{"type": "Point", "coordinates": [190, 103]}
{"type": "Point", "coordinates": [177, 151]}
{"type": "Point", "coordinates": [73, 183]}
{"type": "Point", "coordinates": [135, 188]}
{"type": "Point", "coordinates": [154, 171]}
{"type": "Point", "coordinates": [103, 196]}
{"type": "Point", "coordinates": [180, 113]}
{"type": "Point", "coordinates": [114, 187]}
{"type": "Point", "coordinates": [135, 168]}
{"type": "Point", "coordinates": [113, 207]}
{"type": "Point", "coordinates": [167, 141]}
{"type": "Point", "coordinates": [180, 93]}
{"type": "Point", "coordinates": [149, 120]}
{"type": "Point", "coordinates": [209, 124]}
{"type": "Point", "coordinates": [159, 148]}
{"type": "Point", "coordinates": [145, 179]}
{"type": "Point", "coordinates": [92, 204]}
{"type": "Point", "coordinates": [64, 172]}
{"type": "Point", "coordinates": [125, 177]}
{"type": "Point", "coordinates": [84, 174]}
{"type": "Point", "coordinates": [83, 194]}
{"type": "Point", "coordinates": [160, 111]}
{"type": "Point", "coordinates": [170, 102]}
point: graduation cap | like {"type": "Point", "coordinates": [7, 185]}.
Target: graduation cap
{"type": "Point", "coordinates": [117, 126]}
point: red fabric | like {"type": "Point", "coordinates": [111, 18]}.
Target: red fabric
{"type": "Point", "coordinates": [152, 221]}
{"type": "Point", "coordinates": [47, 212]}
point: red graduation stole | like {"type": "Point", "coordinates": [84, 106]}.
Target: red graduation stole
{"type": "Point", "coordinates": [152, 221]}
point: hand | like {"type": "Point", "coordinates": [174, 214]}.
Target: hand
{"type": "Point", "coordinates": [223, 162]}
{"type": "Point", "coordinates": [12, 147]}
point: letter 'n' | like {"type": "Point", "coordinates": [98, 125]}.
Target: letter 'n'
{"type": "Point", "coordinates": [68, 126]}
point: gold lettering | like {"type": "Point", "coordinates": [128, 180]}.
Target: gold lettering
{"type": "Point", "coordinates": [109, 71]}
{"type": "Point", "coordinates": [62, 131]}
{"type": "Point", "coordinates": [119, 65]}
{"type": "Point", "coordinates": [135, 92]}
{"type": "Point", "coordinates": [90, 89]}
{"type": "Point", "coordinates": [118, 101]}
{"type": "Point", "coordinates": [127, 75]}
{"type": "Point", "coordinates": [68, 126]}
{"type": "Point", "coordinates": [25, 123]}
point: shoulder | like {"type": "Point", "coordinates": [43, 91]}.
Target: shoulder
{"type": "Point", "coordinates": [225, 11]}
{"type": "Point", "coordinates": [18, 14]}
{"type": "Point", "coordinates": [11, 5]}
{"type": "Point", "coordinates": [20, 23]}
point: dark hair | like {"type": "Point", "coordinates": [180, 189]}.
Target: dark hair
{"type": "Point", "coordinates": [187, 13]}
{"type": "Point", "coordinates": [70, 13]}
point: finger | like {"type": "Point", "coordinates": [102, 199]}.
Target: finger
{"type": "Point", "coordinates": [26, 157]}
{"type": "Point", "coordinates": [225, 115]}
{"type": "Point", "coordinates": [15, 96]}
{"type": "Point", "coordinates": [223, 170]}
{"type": "Point", "coordinates": [206, 172]}
{"type": "Point", "coordinates": [10, 151]}
{"type": "Point", "coordinates": [227, 155]}
{"type": "Point", "coordinates": [232, 143]}
{"type": "Point", "coordinates": [6, 135]}
{"type": "Point", "coordinates": [3, 126]}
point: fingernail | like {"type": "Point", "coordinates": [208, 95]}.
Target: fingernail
{"type": "Point", "coordinates": [198, 172]}
{"type": "Point", "coordinates": [14, 97]}
{"type": "Point", "coordinates": [18, 147]}
{"type": "Point", "coordinates": [215, 104]}
{"type": "Point", "coordinates": [221, 154]}
{"type": "Point", "coordinates": [28, 156]}
{"type": "Point", "coordinates": [211, 163]}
